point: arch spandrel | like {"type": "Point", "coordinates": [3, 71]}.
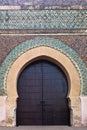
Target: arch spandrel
{"type": "Point", "coordinates": [48, 42]}
{"type": "Point", "coordinates": [56, 57]}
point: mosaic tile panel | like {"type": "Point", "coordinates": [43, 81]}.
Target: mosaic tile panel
{"type": "Point", "coordinates": [44, 2]}
{"type": "Point", "coordinates": [43, 41]}
{"type": "Point", "coordinates": [43, 19]}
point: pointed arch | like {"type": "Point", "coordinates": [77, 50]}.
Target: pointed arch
{"type": "Point", "coordinates": [43, 41]}
{"type": "Point", "coordinates": [52, 49]}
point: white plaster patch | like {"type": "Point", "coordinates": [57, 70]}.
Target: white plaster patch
{"type": "Point", "coordinates": [84, 110]}
{"type": "Point", "coordinates": [2, 110]}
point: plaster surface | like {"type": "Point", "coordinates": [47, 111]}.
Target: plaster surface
{"type": "Point", "coordinates": [84, 110]}
{"type": "Point", "coordinates": [3, 110]}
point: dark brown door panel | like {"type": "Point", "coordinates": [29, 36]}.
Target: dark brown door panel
{"type": "Point", "coordinates": [42, 88]}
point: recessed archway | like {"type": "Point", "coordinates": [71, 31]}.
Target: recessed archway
{"type": "Point", "coordinates": [59, 59]}
{"type": "Point", "coordinates": [42, 88]}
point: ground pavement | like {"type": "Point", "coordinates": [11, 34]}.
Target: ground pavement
{"type": "Point", "coordinates": [43, 128]}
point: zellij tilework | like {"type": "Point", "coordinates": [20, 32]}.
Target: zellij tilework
{"type": "Point", "coordinates": [43, 19]}
{"type": "Point", "coordinates": [43, 41]}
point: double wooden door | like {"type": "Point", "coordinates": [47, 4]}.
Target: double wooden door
{"type": "Point", "coordinates": [42, 89]}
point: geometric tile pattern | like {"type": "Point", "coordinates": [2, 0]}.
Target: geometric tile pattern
{"type": "Point", "coordinates": [43, 19]}
{"type": "Point", "coordinates": [43, 41]}
{"type": "Point", "coordinates": [44, 2]}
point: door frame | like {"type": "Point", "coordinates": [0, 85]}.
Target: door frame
{"type": "Point", "coordinates": [58, 58]}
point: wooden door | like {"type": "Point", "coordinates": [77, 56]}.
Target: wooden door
{"type": "Point", "coordinates": [42, 89]}
{"type": "Point", "coordinates": [55, 89]}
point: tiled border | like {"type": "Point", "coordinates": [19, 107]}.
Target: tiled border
{"type": "Point", "coordinates": [43, 41]}
{"type": "Point", "coordinates": [43, 19]}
